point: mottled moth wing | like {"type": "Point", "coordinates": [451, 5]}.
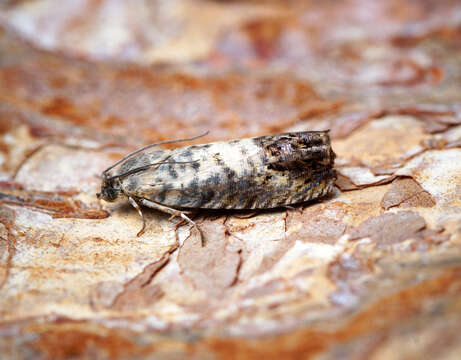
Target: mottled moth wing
{"type": "Point", "coordinates": [142, 160]}
{"type": "Point", "coordinates": [255, 173]}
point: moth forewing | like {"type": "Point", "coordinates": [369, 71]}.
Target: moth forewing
{"type": "Point", "coordinates": [253, 173]}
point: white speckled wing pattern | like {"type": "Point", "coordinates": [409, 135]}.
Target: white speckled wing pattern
{"type": "Point", "coordinates": [254, 173]}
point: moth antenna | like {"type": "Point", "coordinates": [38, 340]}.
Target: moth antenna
{"type": "Point", "coordinates": [148, 147]}
{"type": "Point", "coordinates": [141, 168]}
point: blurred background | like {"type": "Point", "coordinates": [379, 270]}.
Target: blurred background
{"type": "Point", "coordinates": [178, 68]}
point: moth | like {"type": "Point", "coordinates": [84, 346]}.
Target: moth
{"type": "Point", "coordinates": [254, 173]}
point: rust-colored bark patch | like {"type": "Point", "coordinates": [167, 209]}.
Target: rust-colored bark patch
{"type": "Point", "coordinates": [141, 97]}
{"type": "Point", "coordinates": [58, 205]}
{"type": "Point", "coordinates": [212, 268]}
{"type": "Point", "coordinates": [317, 227]}
{"type": "Point", "coordinates": [406, 192]}
{"type": "Point", "coordinates": [435, 117]}
{"type": "Point", "coordinates": [139, 292]}
{"type": "Point", "coordinates": [390, 228]}
{"type": "Point", "coordinates": [345, 184]}
{"type": "Point", "coordinates": [77, 343]}
{"type": "Point", "coordinates": [380, 317]}
{"type": "Point", "coordinates": [7, 242]}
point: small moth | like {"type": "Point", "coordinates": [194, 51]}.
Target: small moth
{"type": "Point", "coordinates": [254, 173]}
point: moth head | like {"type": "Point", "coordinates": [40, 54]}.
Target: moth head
{"type": "Point", "coordinates": [110, 188]}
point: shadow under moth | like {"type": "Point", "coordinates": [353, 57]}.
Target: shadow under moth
{"type": "Point", "coordinates": [254, 173]}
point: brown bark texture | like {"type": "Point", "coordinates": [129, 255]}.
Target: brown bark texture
{"type": "Point", "coordinates": [371, 272]}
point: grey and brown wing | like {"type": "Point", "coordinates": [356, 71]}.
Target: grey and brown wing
{"type": "Point", "coordinates": [206, 188]}
{"type": "Point", "coordinates": [212, 176]}
{"type": "Point", "coordinates": [256, 173]}
{"type": "Point", "coordinates": [301, 165]}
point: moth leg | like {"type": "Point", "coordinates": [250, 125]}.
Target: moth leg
{"type": "Point", "coordinates": [173, 212]}
{"type": "Point", "coordinates": [246, 216]}
{"type": "Point", "coordinates": [180, 222]}
{"type": "Point", "coordinates": [136, 206]}
{"type": "Point", "coordinates": [299, 209]}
